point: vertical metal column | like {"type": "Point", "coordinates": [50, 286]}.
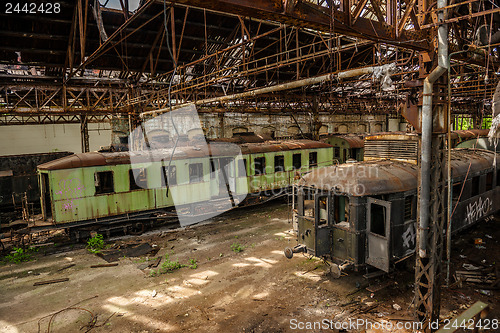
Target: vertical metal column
{"type": "Point", "coordinates": [428, 271]}
{"type": "Point", "coordinates": [84, 134]}
{"type": "Point", "coordinates": [432, 196]}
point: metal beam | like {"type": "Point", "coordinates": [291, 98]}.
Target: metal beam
{"type": "Point", "coordinates": [309, 15]}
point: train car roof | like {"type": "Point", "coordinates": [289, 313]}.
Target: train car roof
{"type": "Point", "coordinates": [386, 176]}
{"type": "Point", "coordinates": [354, 140]}
{"type": "Point", "coordinates": [215, 149]}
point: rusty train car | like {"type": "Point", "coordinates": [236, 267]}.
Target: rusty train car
{"type": "Point", "coordinates": [364, 213]}
{"type": "Point", "coordinates": [120, 190]}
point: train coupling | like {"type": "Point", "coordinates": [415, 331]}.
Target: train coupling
{"type": "Point", "coordinates": [296, 249]}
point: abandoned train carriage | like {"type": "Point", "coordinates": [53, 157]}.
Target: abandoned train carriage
{"type": "Point", "coordinates": [346, 146]}
{"type": "Point", "coordinates": [365, 213]}
{"type": "Point", "coordinates": [105, 187]}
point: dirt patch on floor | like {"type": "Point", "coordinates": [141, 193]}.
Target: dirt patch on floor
{"type": "Point", "coordinates": [234, 278]}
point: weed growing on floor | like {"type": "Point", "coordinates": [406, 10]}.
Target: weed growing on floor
{"type": "Point", "coordinates": [193, 264]}
{"type": "Point", "coordinates": [237, 247]}
{"type": "Point", "coordinates": [169, 266]}
{"type": "Point", "coordinates": [95, 244]}
{"type": "Point", "coordinates": [20, 255]}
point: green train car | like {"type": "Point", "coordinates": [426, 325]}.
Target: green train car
{"type": "Point", "coordinates": [345, 147]}
{"type": "Point", "coordinates": [105, 188]}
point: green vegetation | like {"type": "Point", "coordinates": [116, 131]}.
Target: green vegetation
{"type": "Point", "coordinates": [95, 244]}
{"type": "Point", "coordinates": [486, 123]}
{"type": "Point", "coordinates": [20, 255]}
{"type": "Point", "coordinates": [237, 247]}
{"type": "Point", "coordinates": [193, 264]}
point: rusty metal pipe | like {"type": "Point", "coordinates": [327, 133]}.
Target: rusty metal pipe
{"type": "Point", "coordinates": [425, 165]}
{"type": "Point", "coordinates": [278, 87]}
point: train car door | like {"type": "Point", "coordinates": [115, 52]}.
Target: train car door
{"type": "Point", "coordinates": [378, 213]}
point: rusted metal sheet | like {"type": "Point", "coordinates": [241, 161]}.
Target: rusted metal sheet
{"type": "Point", "coordinates": [478, 159]}
{"type": "Point", "coordinates": [75, 161]}
{"type": "Point", "coordinates": [364, 178]}
{"type": "Point", "coordinates": [384, 176]}
{"type": "Point", "coordinates": [213, 149]}
{"type": "Point", "coordinates": [393, 136]}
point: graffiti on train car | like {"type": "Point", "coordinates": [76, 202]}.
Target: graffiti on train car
{"type": "Point", "coordinates": [409, 237]}
{"type": "Point", "coordinates": [70, 189]}
{"type": "Point", "coordinates": [477, 209]}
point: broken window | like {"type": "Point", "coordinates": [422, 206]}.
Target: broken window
{"type": "Point", "coordinates": [475, 186]}
{"type": "Point", "coordinates": [279, 163]}
{"type": "Point", "coordinates": [309, 208]}
{"type": "Point", "coordinates": [137, 179]}
{"type": "Point", "coordinates": [242, 167]}
{"type": "Point", "coordinates": [489, 181]}
{"type": "Point", "coordinates": [313, 159]}
{"type": "Point", "coordinates": [323, 209]}
{"type": "Point", "coordinates": [103, 182]}
{"type": "Point", "coordinates": [168, 179]}
{"type": "Point", "coordinates": [341, 208]}
{"type": "Point", "coordinates": [377, 219]}
{"type": "Point", "coordinates": [260, 165]}
{"type": "Point", "coordinates": [297, 161]}
{"type": "Point", "coordinates": [195, 172]}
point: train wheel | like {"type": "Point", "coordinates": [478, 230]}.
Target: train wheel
{"type": "Point", "coordinates": [335, 271]}
{"type": "Point", "coordinates": [288, 253]}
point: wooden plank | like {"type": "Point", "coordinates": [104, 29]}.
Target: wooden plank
{"type": "Point", "coordinates": [65, 267]}
{"type": "Point", "coordinates": [104, 265]}
{"type": "Point", "coordinates": [468, 314]}
{"type": "Point", "coordinates": [50, 281]}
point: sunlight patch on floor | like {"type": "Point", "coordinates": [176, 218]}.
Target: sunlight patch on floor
{"type": "Point", "coordinates": [146, 320]}
{"type": "Point", "coordinates": [7, 328]}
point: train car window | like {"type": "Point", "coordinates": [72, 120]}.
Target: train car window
{"type": "Point", "coordinates": [137, 179]}
{"type": "Point", "coordinates": [377, 219]}
{"type": "Point", "coordinates": [341, 208]}
{"type": "Point", "coordinates": [103, 182]}
{"type": "Point", "coordinates": [410, 211]}
{"type": "Point", "coordinates": [242, 167]}
{"type": "Point", "coordinates": [195, 172]}
{"type": "Point", "coordinates": [336, 152]}
{"type": "Point", "coordinates": [309, 208]}
{"type": "Point", "coordinates": [279, 163]}
{"type": "Point", "coordinates": [313, 159]}
{"type": "Point", "coordinates": [297, 161]}
{"type": "Point", "coordinates": [168, 179]}
{"type": "Point", "coordinates": [260, 165]}
{"type": "Point", "coordinates": [323, 210]}
{"type": "Point", "coordinates": [489, 181]}
{"type": "Point", "coordinates": [456, 189]}
{"type": "Point", "coordinates": [475, 186]}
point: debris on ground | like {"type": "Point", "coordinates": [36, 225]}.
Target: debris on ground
{"type": "Point", "coordinates": [128, 250]}
{"type": "Point", "coordinates": [50, 282]}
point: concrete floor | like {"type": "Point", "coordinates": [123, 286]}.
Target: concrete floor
{"type": "Point", "coordinates": [256, 290]}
